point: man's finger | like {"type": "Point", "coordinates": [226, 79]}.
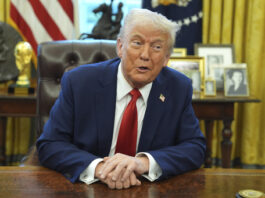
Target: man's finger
{"type": "Point", "coordinates": [133, 179]}
{"type": "Point", "coordinates": [107, 168]}
{"type": "Point", "coordinates": [128, 171]}
{"type": "Point", "coordinates": [118, 172]}
{"type": "Point", "coordinates": [126, 183]}
{"type": "Point", "coordinates": [110, 184]}
{"type": "Point", "coordinates": [118, 184]}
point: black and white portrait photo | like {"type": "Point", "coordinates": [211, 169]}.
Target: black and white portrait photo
{"type": "Point", "coordinates": [218, 75]}
{"type": "Point", "coordinates": [195, 76]}
{"type": "Point", "coordinates": [236, 82]}
{"type": "Point", "coordinates": [215, 55]}
{"type": "Point", "coordinates": [209, 88]}
{"type": "Point", "coordinates": [213, 60]}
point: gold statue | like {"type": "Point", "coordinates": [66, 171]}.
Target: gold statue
{"type": "Point", "coordinates": [23, 54]}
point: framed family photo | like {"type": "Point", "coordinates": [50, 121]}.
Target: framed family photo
{"type": "Point", "coordinates": [217, 72]}
{"type": "Point", "coordinates": [179, 52]}
{"type": "Point", "coordinates": [236, 82]}
{"type": "Point", "coordinates": [209, 87]}
{"type": "Point", "coordinates": [191, 66]}
{"type": "Point", "coordinates": [216, 56]}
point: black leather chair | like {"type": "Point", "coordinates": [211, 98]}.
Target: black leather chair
{"type": "Point", "coordinates": [54, 58]}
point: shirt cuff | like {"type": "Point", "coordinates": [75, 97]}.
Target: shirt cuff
{"type": "Point", "coordinates": [87, 176]}
{"type": "Point", "coordinates": [154, 169]}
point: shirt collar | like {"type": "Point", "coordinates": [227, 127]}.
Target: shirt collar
{"type": "Point", "coordinates": [123, 87]}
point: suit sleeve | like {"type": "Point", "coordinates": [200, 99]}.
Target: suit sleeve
{"type": "Point", "coordinates": [188, 152]}
{"type": "Point", "coordinates": [55, 145]}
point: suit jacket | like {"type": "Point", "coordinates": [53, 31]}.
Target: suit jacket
{"type": "Point", "coordinates": [80, 125]}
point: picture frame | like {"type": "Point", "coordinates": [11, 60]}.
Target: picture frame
{"type": "Point", "coordinates": [210, 87]}
{"type": "Point", "coordinates": [190, 66]}
{"type": "Point", "coordinates": [195, 76]}
{"type": "Point", "coordinates": [221, 54]}
{"type": "Point", "coordinates": [236, 82]}
{"type": "Point", "coordinates": [179, 52]}
{"type": "Point", "coordinates": [217, 73]}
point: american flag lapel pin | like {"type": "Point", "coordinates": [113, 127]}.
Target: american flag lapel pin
{"type": "Point", "coordinates": [162, 97]}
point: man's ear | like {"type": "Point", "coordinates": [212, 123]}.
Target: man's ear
{"type": "Point", "coordinates": [119, 47]}
{"type": "Point", "coordinates": [166, 60]}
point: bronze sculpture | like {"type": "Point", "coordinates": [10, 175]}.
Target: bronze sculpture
{"type": "Point", "coordinates": [105, 27]}
{"type": "Point", "coordinates": [9, 37]}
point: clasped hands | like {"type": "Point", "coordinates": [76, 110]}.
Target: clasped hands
{"type": "Point", "coordinates": [121, 171]}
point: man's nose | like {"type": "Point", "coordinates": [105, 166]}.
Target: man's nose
{"type": "Point", "coordinates": [145, 53]}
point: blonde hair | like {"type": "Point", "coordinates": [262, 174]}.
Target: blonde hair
{"type": "Point", "coordinates": [142, 16]}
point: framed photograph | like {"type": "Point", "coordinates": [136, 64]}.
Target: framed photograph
{"type": "Point", "coordinates": [215, 55]}
{"type": "Point", "coordinates": [191, 66]}
{"type": "Point", "coordinates": [179, 52]}
{"type": "Point", "coordinates": [209, 87]}
{"type": "Point", "coordinates": [195, 76]}
{"type": "Point", "coordinates": [236, 82]}
{"type": "Point", "coordinates": [217, 73]}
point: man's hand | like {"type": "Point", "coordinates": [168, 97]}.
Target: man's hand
{"type": "Point", "coordinates": [118, 184]}
{"type": "Point", "coordinates": [120, 167]}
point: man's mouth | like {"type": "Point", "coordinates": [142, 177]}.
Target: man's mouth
{"type": "Point", "coordinates": [143, 68]}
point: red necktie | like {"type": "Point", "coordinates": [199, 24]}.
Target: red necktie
{"type": "Point", "coordinates": [127, 138]}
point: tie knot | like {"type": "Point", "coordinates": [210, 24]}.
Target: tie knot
{"type": "Point", "coordinates": [135, 93]}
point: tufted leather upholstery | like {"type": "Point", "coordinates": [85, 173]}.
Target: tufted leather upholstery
{"type": "Point", "coordinates": [54, 58]}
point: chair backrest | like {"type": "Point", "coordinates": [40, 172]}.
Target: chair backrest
{"type": "Point", "coordinates": [54, 58]}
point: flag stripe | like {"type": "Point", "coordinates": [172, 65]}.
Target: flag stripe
{"type": "Point", "coordinates": [46, 20]}
{"type": "Point", "coordinates": [42, 20]}
{"type": "Point", "coordinates": [31, 19]}
{"type": "Point", "coordinates": [56, 11]}
{"type": "Point", "coordinates": [23, 26]}
{"type": "Point", "coordinates": [67, 5]}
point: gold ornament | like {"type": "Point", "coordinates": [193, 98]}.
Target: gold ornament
{"type": "Point", "coordinates": [167, 2]}
{"type": "Point", "coordinates": [23, 54]}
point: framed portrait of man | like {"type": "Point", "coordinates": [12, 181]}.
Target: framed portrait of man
{"type": "Point", "coordinates": [215, 56]}
{"type": "Point", "coordinates": [236, 82]}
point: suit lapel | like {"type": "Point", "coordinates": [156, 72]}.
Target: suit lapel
{"type": "Point", "coordinates": [154, 112]}
{"type": "Point", "coordinates": [105, 107]}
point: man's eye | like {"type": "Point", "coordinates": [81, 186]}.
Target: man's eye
{"type": "Point", "coordinates": [136, 43]}
{"type": "Point", "coordinates": [157, 47]}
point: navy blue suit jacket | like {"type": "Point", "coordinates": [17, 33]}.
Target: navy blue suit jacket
{"type": "Point", "coordinates": [80, 125]}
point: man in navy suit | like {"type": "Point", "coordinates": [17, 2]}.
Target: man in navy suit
{"type": "Point", "coordinates": [81, 135]}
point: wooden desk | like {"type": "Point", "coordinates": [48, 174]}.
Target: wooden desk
{"type": "Point", "coordinates": [16, 182]}
{"type": "Point", "coordinates": [207, 109]}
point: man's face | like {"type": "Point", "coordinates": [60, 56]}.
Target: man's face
{"type": "Point", "coordinates": [144, 52]}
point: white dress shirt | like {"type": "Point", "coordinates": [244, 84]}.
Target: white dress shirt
{"type": "Point", "coordinates": [122, 99]}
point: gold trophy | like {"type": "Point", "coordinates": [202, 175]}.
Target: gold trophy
{"type": "Point", "coordinates": [23, 53]}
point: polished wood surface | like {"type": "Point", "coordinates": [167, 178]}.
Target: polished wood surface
{"type": "Point", "coordinates": [17, 105]}
{"type": "Point", "coordinates": [206, 108]}
{"type": "Point", "coordinates": [16, 182]}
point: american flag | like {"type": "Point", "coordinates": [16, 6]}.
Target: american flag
{"type": "Point", "coordinates": [42, 20]}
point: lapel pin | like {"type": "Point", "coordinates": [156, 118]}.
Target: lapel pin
{"type": "Point", "coordinates": [162, 97]}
